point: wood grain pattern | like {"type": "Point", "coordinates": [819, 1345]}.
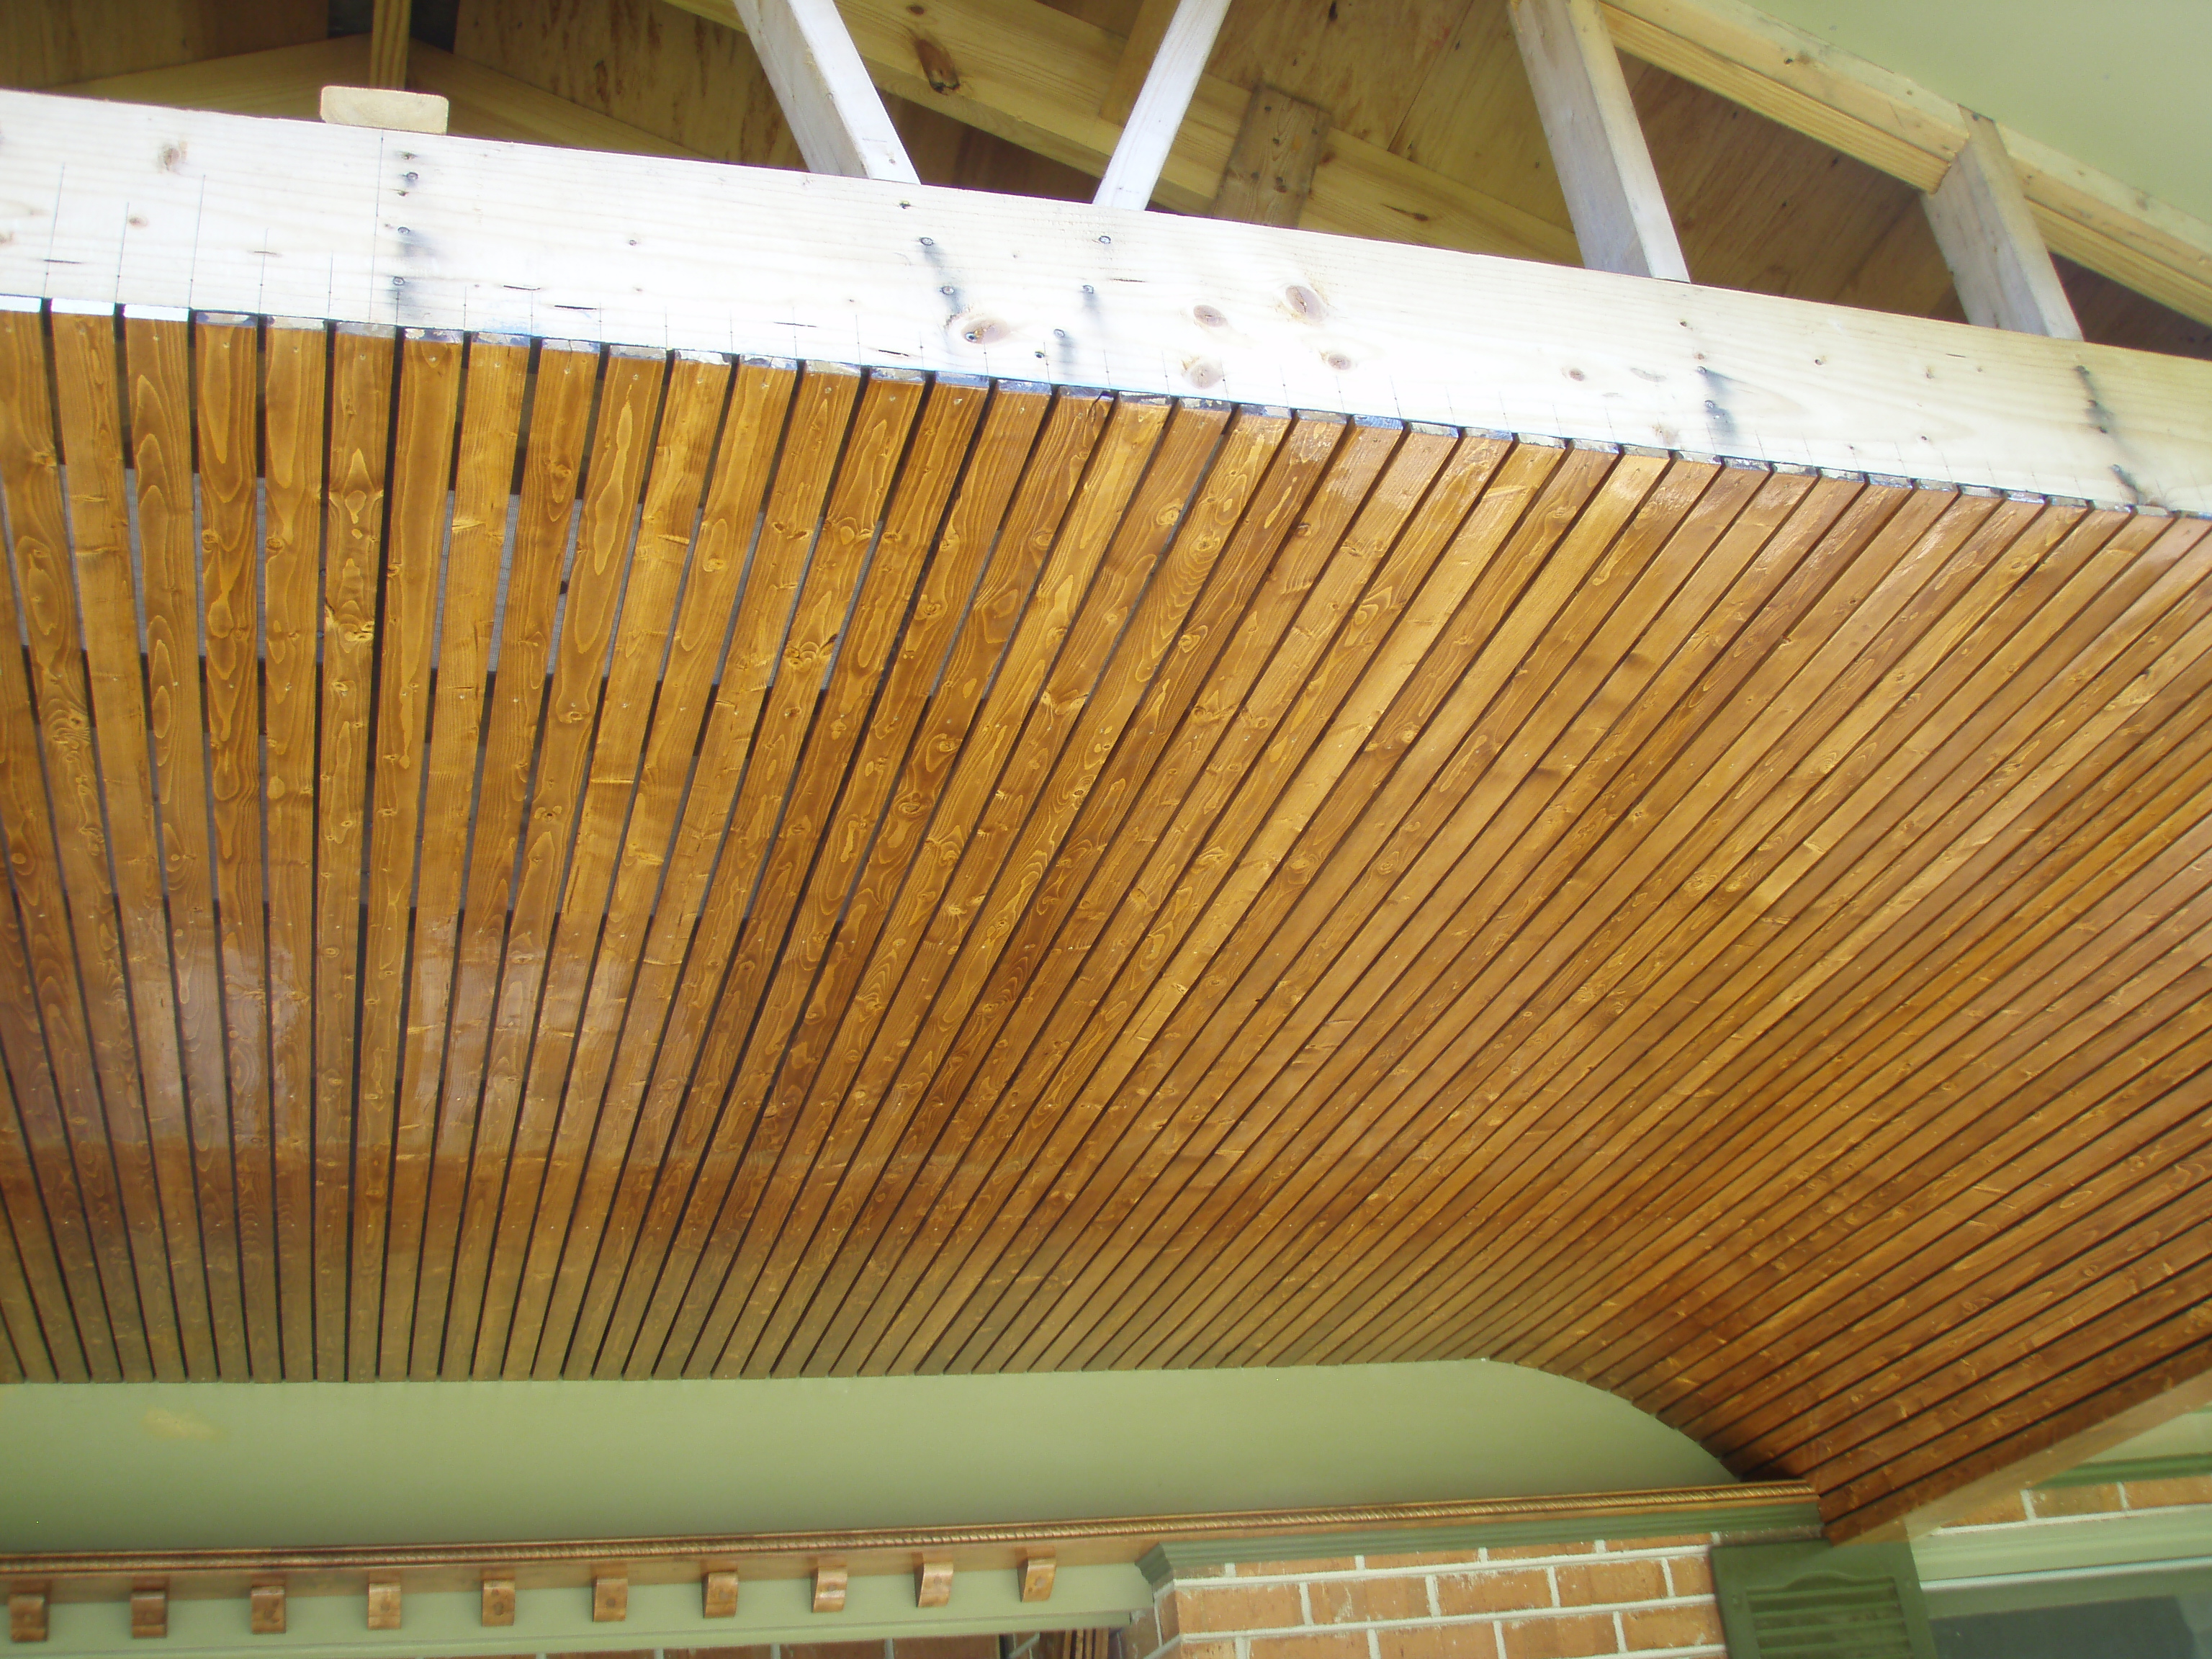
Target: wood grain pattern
{"type": "Point", "coordinates": [601, 863]}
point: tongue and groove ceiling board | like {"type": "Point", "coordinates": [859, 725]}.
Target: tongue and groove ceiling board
{"type": "Point", "coordinates": [534, 859]}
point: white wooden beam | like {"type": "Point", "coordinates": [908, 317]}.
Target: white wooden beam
{"type": "Point", "coordinates": [832, 108]}
{"type": "Point", "coordinates": [1134, 170]}
{"type": "Point", "coordinates": [1998, 262]}
{"type": "Point", "coordinates": [134, 204]}
{"type": "Point", "coordinates": [1605, 169]}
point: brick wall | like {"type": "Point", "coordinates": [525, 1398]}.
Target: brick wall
{"type": "Point", "coordinates": [1646, 1596]}
{"type": "Point", "coordinates": [2066, 1503]}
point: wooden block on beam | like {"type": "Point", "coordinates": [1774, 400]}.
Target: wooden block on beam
{"type": "Point", "coordinates": [1037, 1578]}
{"type": "Point", "coordinates": [1612, 193]}
{"type": "Point", "coordinates": [610, 1597]}
{"type": "Point", "coordinates": [498, 1601]}
{"type": "Point", "coordinates": [718, 1594]}
{"type": "Point", "coordinates": [830, 1586]}
{"type": "Point", "coordinates": [1998, 261]}
{"type": "Point", "coordinates": [381, 107]}
{"type": "Point", "coordinates": [149, 1608]}
{"type": "Point", "coordinates": [266, 1607]}
{"type": "Point", "coordinates": [1271, 170]}
{"type": "Point", "coordinates": [26, 1614]}
{"type": "Point", "coordinates": [384, 1604]}
{"type": "Point", "coordinates": [934, 1583]}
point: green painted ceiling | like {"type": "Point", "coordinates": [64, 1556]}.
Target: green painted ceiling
{"type": "Point", "coordinates": [121, 1466]}
{"type": "Point", "coordinates": [2120, 84]}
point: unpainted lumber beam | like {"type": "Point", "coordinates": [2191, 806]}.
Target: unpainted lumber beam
{"type": "Point", "coordinates": [387, 42]}
{"type": "Point", "coordinates": [1134, 170]}
{"type": "Point", "coordinates": [382, 106]}
{"type": "Point", "coordinates": [1138, 51]}
{"type": "Point", "coordinates": [1605, 167]}
{"type": "Point", "coordinates": [1271, 170]}
{"type": "Point", "coordinates": [1998, 262]}
{"type": "Point", "coordinates": [832, 108]}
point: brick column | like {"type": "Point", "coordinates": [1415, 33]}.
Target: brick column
{"type": "Point", "coordinates": [1643, 1596]}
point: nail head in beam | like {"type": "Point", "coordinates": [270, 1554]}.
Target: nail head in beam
{"type": "Point", "coordinates": [1604, 169]}
{"type": "Point", "coordinates": [831, 105]}
{"type": "Point", "coordinates": [1999, 263]}
{"type": "Point", "coordinates": [830, 1586]}
{"type": "Point", "coordinates": [388, 43]}
{"type": "Point", "coordinates": [933, 1583]}
{"type": "Point", "coordinates": [26, 1614]}
{"type": "Point", "coordinates": [718, 1594]}
{"type": "Point", "coordinates": [497, 1601]}
{"type": "Point", "coordinates": [265, 1604]}
{"type": "Point", "coordinates": [1142, 150]}
{"type": "Point", "coordinates": [384, 1604]}
{"type": "Point", "coordinates": [1037, 1578]}
{"type": "Point", "coordinates": [149, 1608]}
{"type": "Point", "coordinates": [610, 1597]}
{"type": "Point", "coordinates": [380, 106]}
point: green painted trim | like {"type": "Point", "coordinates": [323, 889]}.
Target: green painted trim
{"type": "Point", "coordinates": [1814, 1598]}
{"type": "Point", "coordinates": [2177, 1468]}
{"type": "Point", "coordinates": [2136, 1539]}
{"type": "Point", "coordinates": [1963, 1599]}
{"type": "Point", "coordinates": [445, 1625]}
{"type": "Point", "coordinates": [1764, 1516]}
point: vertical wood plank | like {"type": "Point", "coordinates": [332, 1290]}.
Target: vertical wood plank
{"type": "Point", "coordinates": [1999, 263]}
{"type": "Point", "coordinates": [296, 368]}
{"type": "Point", "coordinates": [1271, 167]}
{"type": "Point", "coordinates": [123, 840]}
{"type": "Point", "coordinates": [498, 372]}
{"type": "Point", "coordinates": [158, 355]}
{"type": "Point", "coordinates": [429, 402]}
{"type": "Point", "coordinates": [227, 365]}
{"type": "Point", "coordinates": [360, 377]}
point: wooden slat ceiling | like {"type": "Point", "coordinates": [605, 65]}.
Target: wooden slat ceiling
{"type": "Point", "coordinates": [566, 863]}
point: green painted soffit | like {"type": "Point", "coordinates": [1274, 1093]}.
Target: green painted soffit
{"type": "Point", "coordinates": [2120, 84]}
{"type": "Point", "coordinates": [133, 1466]}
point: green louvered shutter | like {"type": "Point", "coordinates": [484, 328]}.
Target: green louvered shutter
{"type": "Point", "coordinates": [1816, 1601]}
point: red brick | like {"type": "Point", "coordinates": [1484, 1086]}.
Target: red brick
{"type": "Point", "coordinates": [1569, 1635]}
{"type": "Point", "coordinates": [2163, 1494]}
{"type": "Point", "coordinates": [1168, 1609]}
{"type": "Point", "coordinates": [829, 1650]}
{"type": "Point", "coordinates": [1197, 1650]}
{"type": "Point", "coordinates": [763, 1652]}
{"type": "Point", "coordinates": [1349, 1601]}
{"type": "Point", "coordinates": [1143, 1635]}
{"type": "Point", "coordinates": [1515, 1590]}
{"type": "Point", "coordinates": [1322, 1644]}
{"type": "Point", "coordinates": [1673, 1627]}
{"type": "Point", "coordinates": [1691, 1574]}
{"type": "Point", "coordinates": [1425, 1559]}
{"type": "Point", "coordinates": [1536, 1551]}
{"type": "Point", "coordinates": [1998, 1512]}
{"type": "Point", "coordinates": [1610, 1581]}
{"type": "Point", "coordinates": [1477, 1639]}
{"type": "Point", "coordinates": [2075, 1500]}
{"type": "Point", "coordinates": [1688, 1541]}
{"type": "Point", "coordinates": [1226, 1609]}
{"type": "Point", "coordinates": [1298, 1569]}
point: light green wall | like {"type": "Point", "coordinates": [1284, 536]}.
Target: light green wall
{"type": "Point", "coordinates": [110, 1466]}
{"type": "Point", "coordinates": [2124, 85]}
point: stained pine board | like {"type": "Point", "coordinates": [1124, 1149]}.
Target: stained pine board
{"type": "Point", "coordinates": [746, 869]}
